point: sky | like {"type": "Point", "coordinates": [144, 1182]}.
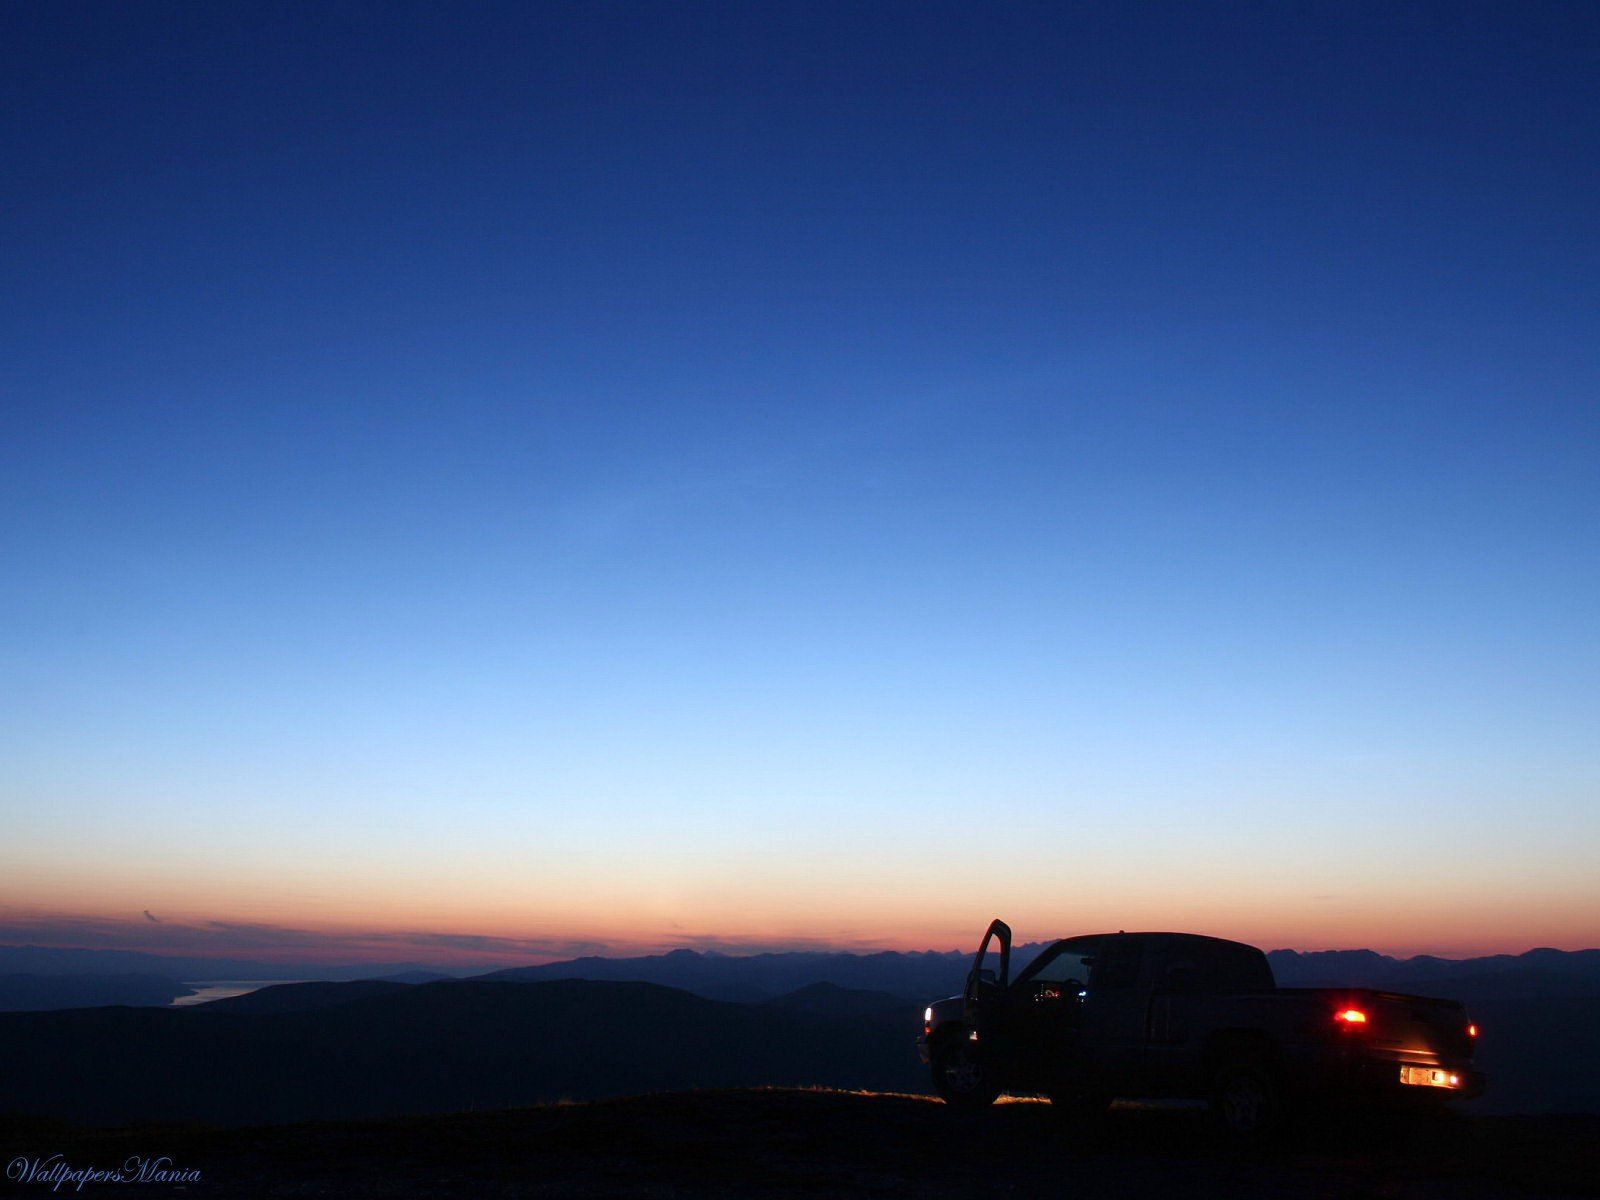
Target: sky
{"type": "Point", "coordinates": [504, 481]}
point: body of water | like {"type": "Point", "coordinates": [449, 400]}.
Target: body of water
{"type": "Point", "coordinates": [222, 989]}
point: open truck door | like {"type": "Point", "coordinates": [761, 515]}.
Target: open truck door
{"type": "Point", "coordinates": [982, 981]}
{"type": "Point", "coordinates": [985, 994]}
{"type": "Point", "coordinates": [963, 1060]}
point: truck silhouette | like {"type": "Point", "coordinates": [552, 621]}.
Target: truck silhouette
{"type": "Point", "coordinates": [1181, 1016]}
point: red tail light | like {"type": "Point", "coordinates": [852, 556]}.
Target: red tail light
{"type": "Point", "coordinates": [1472, 1031]}
{"type": "Point", "coordinates": [1349, 1017]}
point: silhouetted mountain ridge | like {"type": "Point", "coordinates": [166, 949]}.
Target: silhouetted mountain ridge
{"type": "Point", "coordinates": [913, 974]}
{"type": "Point", "coordinates": [431, 1048]}
{"type": "Point", "coordinates": [1557, 972]}
{"type": "Point", "coordinates": [31, 993]}
{"type": "Point", "coordinates": [302, 997]}
{"type": "Point", "coordinates": [917, 976]}
{"type": "Point", "coordinates": [833, 1000]}
{"type": "Point", "coordinates": [928, 974]}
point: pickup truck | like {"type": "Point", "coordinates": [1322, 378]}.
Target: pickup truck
{"type": "Point", "coordinates": [1180, 1016]}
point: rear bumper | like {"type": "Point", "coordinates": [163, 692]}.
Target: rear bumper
{"type": "Point", "coordinates": [1381, 1075]}
{"type": "Point", "coordinates": [1420, 1079]}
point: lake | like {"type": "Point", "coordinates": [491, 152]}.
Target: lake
{"type": "Point", "coordinates": [222, 989]}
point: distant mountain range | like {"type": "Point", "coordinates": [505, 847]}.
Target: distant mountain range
{"type": "Point", "coordinates": [1542, 972]}
{"type": "Point", "coordinates": [762, 976]}
{"type": "Point", "coordinates": [930, 974]}
{"type": "Point", "coordinates": [34, 977]}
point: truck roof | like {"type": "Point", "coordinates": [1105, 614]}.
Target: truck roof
{"type": "Point", "coordinates": [1241, 964]}
{"type": "Point", "coordinates": [1193, 937]}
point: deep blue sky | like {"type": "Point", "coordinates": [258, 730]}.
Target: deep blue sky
{"type": "Point", "coordinates": [654, 472]}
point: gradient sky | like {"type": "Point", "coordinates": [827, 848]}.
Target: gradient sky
{"type": "Point", "coordinates": [498, 480]}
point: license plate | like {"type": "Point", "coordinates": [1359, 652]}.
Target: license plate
{"type": "Point", "coordinates": [1429, 1077]}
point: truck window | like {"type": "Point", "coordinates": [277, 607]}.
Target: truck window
{"type": "Point", "coordinates": [1234, 967]}
{"type": "Point", "coordinates": [1062, 963]}
{"type": "Point", "coordinates": [1117, 965]}
{"type": "Point", "coordinates": [1067, 966]}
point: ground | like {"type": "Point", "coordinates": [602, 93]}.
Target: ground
{"type": "Point", "coordinates": [789, 1143]}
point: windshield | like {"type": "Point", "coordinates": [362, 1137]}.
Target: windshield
{"type": "Point", "coordinates": [1063, 963]}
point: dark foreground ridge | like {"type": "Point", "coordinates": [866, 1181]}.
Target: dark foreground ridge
{"type": "Point", "coordinates": [787, 1143]}
{"type": "Point", "coordinates": [340, 1051]}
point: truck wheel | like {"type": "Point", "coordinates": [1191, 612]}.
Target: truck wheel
{"type": "Point", "coordinates": [961, 1078]}
{"type": "Point", "coordinates": [1245, 1098]}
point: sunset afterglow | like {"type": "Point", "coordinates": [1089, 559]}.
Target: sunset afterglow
{"type": "Point", "coordinates": [484, 489]}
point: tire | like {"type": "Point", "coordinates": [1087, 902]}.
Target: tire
{"type": "Point", "coordinates": [962, 1079]}
{"type": "Point", "coordinates": [1246, 1099]}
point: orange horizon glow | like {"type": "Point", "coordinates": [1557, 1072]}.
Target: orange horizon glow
{"type": "Point", "coordinates": [506, 909]}
{"type": "Point", "coordinates": [499, 940]}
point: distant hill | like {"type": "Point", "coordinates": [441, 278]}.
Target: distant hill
{"type": "Point", "coordinates": [302, 997]}
{"type": "Point", "coordinates": [21, 993]}
{"type": "Point", "coordinates": [1542, 972]}
{"type": "Point", "coordinates": [54, 960]}
{"type": "Point", "coordinates": [435, 1047]}
{"type": "Point", "coordinates": [832, 1000]}
{"type": "Point", "coordinates": [919, 976]}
